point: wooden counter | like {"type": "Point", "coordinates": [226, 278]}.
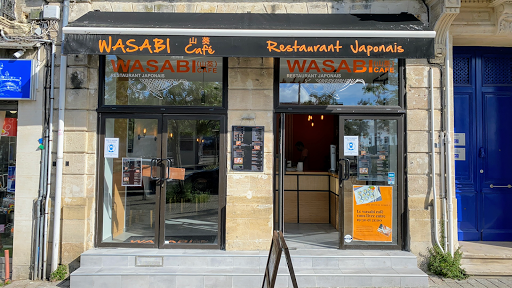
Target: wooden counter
{"type": "Point", "coordinates": [309, 197]}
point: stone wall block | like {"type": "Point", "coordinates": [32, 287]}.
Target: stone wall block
{"type": "Point", "coordinates": [73, 231]}
{"type": "Point", "coordinates": [250, 62]}
{"type": "Point", "coordinates": [78, 60]}
{"type": "Point", "coordinates": [317, 7]}
{"type": "Point", "coordinates": [92, 121]}
{"type": "Point", "coordinates": [420, 185]}
{"type": "Point", "coordinates": [250, 78]}
{"type": "Point", "coordinates": [245, 245]}
{"type": "Point", "coordinates": [417, 120]}
{"type": "Point", "coordinates": [77, 10]}
{"type": "Point", "coordinates": [417, 76]}
{"type": "Point", "coordinates": [90, 186]}
{"type": "Point", "coordinates": [419, 98]}
{"type": "Point", "coordinates": [261, 229]}
{"type": "Point", "coordinates": [74, 212]}
{"type": "Point", "coordinates": [167, 7]}
{"type": "Point", "coordinates": [77, 164]}
{"type": "Point", "coordinates": [238, 184]}
{"type": "Point", "coordinates": [240, 99]}
{"type": "Point", "coordinates": [121, 7]}
{"type": "Point", "coordinates": [275, 8]}
{"type": "Point", "coordinates": [102, 6]}
{"type": "Point", "coordinates": [189, 8]}
{"type": "Point", "coordinates": [93, 78]}
{"type": "Point", "coordinates": [251, 118]}
{"type": "Point", "coordinates": [78, 77]}
{"type": "Point", "coordinates": [93, 99]}
{"type": "Point", "coordinates": [252, 8]}
{"type": "Point", "coordinates": [75, 120]}
{"type": "Point", "coordinates": [419, 230]}
{"type": "Point", "coordinates": [71, 254]}
{"type": "Point", "coordinates": [250, 212]}
{"type": "Point", "coordinates": [91, 142]}
{"type": "Point", "coordinates": [76, 99]}
{"type": "Point", "coordinates": [75, 142]}
{"type": "Point", "coordinates": [94, 61]}
{"type": "Point", "coordinates": [146, 7]}
{"type": "Point", "coordinates": [296, 8]}
{"type": "Point", "coordinates": [418, 141]}
{"type": "Point", "coordinates": [73, 186]}
{"type": "Point", "coordinates": [236, 229]}
{"type": "Point", "coordinates": [418, 163]}
{"type": "Point", "coordinates": [226, 8]}
{"type": "Point", "coordinates": [206, 8]}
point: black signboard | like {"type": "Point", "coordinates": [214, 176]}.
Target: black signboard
{"type": "Point", "coordinates": [343, 47]}
{"type": "Point", "coordinates": [277, 246]}
{"type": "Point", "coordinates": [247, 148]}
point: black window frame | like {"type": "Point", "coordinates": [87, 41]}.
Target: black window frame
{"type": "Point", "coordinates": [319, 109]}
{"type": "Point", "coordinates": [164, 109]}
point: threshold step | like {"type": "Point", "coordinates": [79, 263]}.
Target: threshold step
{"type": "Point", "coordinates": [244, 278]}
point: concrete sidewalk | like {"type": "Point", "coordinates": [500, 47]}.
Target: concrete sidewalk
{"type": "Point", "coordinates": [434, 281]}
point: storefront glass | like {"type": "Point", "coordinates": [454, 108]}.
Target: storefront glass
{"type": "Point", "coordinates": [163, 81]}
{"type": "Point", "coordinates": [8, 138]}
{"type": "Point", "coordinates": [370, 182]}
{"type": "Point", "coordinates": [349, 82]}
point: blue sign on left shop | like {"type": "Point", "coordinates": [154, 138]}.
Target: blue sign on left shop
{"type": "Point", "coordinates": [16, 79]}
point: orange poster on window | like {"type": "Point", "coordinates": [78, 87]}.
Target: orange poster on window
{"type": "Point", "coordinates": [373, 213]}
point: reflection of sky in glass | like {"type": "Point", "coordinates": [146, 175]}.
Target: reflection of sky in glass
{"type": "Point", "coordinates": [351, 95]}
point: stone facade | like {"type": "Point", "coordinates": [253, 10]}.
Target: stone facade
{"type": "Point", "coordinates": [249, 199]}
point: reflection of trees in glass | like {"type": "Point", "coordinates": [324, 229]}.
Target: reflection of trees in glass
{"type": "Point", "coordinates": [191, 93]}
{"type": "Point", "coordinates": [321, 99]}
{"type": "Point", "coordinates": [382, 94]}
{"type": "Point", "coordinates": [201, 134]}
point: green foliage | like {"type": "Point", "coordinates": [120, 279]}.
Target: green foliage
{"type": "Point", "coordinates": [184, 192]}
{"type": "Point", "coordinates": [443, 264]}
{"type": "Point", "coordinates": [60, 273]}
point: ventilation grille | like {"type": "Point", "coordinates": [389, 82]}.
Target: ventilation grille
{"type": "Point", "coordinates": [497, 70]}
{"type": "Point", "coordinates": [461, 71]}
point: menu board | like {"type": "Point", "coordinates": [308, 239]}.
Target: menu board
{"type": "Point", "coordinates": [247, 149]}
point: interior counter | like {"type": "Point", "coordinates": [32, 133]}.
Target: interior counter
{"type": "Point", "coordinates": [311, 197]}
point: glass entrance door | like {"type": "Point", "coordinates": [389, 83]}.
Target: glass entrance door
{"type": "Point", "coordinates": [370, 205]}
{"type": "Point", "coordinates": [161, 184]}
{"type": "Point", "coordinates": [191, 199]}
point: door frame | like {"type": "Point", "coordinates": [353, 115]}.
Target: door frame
{"type": "Point", "coordinates": [400, 184]}
{"type": "Point", "coordinates": [222, 183]}
{"type": "Point", "coordinates": [161, 145]}
{"type": "Point", "coordinates": [401, 214]}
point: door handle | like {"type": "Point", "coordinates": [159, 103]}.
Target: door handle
{"type": "Point", "coordinates": [347, 169]}
{"type": "Point", "coordinates": [508, 186]}
{"type": "Point", "coordinates": [153, 160]}
{"type": "Point", "coordinates": [169, 164]}
{"type": "Point", "coordinates": [481, 152]}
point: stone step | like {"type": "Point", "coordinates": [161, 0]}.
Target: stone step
{"type": "Point", "coordinates": [199, 277]}
{"type": "Point", "coordinates": [487, 265]}
{"type": "Point", "coordinates": [246, 259]}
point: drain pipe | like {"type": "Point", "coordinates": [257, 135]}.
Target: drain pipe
{"type": "Point", "coordinates": [448, 147]}
{"type": "Point", "coordinates": [443, 189]}
{"type": "Point", "coordinates": [433, 155]}
{"type": "Point", "coordinates": [49, 171]}
{"type": "Point", "coordinates": [60, 145]}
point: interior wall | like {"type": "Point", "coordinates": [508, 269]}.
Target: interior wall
{"type": "Point", "coordinates": [316, 139]}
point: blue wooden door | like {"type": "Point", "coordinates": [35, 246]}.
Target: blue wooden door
{"type": "Point", "coordinates": [483, 142]}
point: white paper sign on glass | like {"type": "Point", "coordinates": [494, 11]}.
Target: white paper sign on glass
{"type": "Point", "coordinates": [351, 147]}
{"type": "Point", "coordinates": [111, 148]}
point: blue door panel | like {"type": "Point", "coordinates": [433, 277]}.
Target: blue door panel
{"type": "Point", "coordinates": [482, 110]}
{"type": "Point", "coordinates": [463, 123]}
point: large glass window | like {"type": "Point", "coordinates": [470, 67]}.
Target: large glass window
{"type": "Point", "coordinates": [168, 81]}
{"type": "Point", "coordinates": [8, 139]}
{"type": "Point", "coordinates": [353, 82]}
